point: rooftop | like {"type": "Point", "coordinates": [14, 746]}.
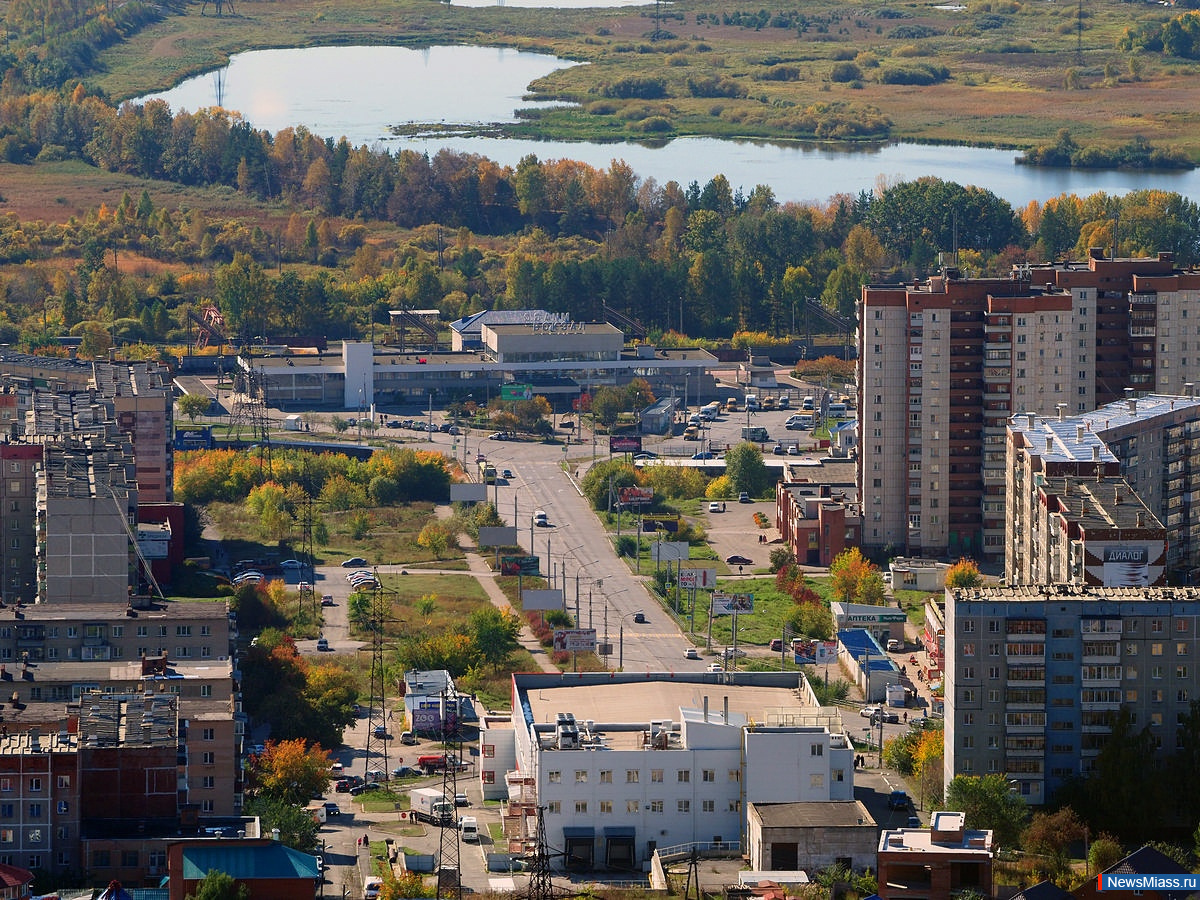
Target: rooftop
{"type": "Point", "coordinates": [1099, 504]}
{"type": "Point", "coordinates": [839, 814]}
{"type": "Point", "coordinates": [1073, 593]}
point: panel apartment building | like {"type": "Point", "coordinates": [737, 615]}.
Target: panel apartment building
{"type": "Point", "coordinates": [1035, 673]}
{"type": "Point", "coordinates": [943, 364]}
{"type": "Point", "coordinates": [1104, 497]}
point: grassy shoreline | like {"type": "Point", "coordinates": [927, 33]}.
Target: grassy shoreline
{"type": "Point", "coordinates": [1014, 74]}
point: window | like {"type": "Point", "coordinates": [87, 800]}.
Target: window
{"type": "Point", "coordinates": [968, 626]}
{"type": "Point", "coordinates": [656, 807]}
{"type": "Point", "coordinates": [605, 807]}
{"type": "Point", "coordinates": [100, 859]}
{"type": "Point", "coordinates": [683, 806]}
{"type": "Point", "coordinates": [632, 776]}
{"type": "Point", "coordinates": [206, 690]}
{"type": "Point", "coordinates": [6, 810]}
{"type": "Point", "coordinates": [208, 758]}
{"type": "Point", "coordinates": [489, 751]}
{"type": "Point", "coordinates": [709, 775]}
{"type": "Point", "coordinates": [208, 782]}
{"type": "Point", "coordinates": [5, 784]}
{"type": "Point", "coordinates": [968, 648]}
{"type": "Point", "coordinates": [581, 807]}
{"type": "Point", "coordinates": [35, 785]}
{"type": "Point", "coordinates": [35, 810]}
{"type": "Point", "coordinates": [708, 806]}
{"type": "Point", "coordinates": [839, 775]}
{"type": "Point", "coordinates": [554, 807]}
{"type": "Point", "coordinates": [581, 776]}
{"type": "Point", "coordinates": [1181, 648]}
{"type": "Point", "coordinates": [489, 776]}
{"type": "Point", "coordinates": [554, 777]}
{"type": "Point", "coordinates": [1181, 672]}
{"type": "Point", "coordinates": [683, 775]}
{"type": "Point", "coordinates": [735, 774]}
{"type": "Point", "coordinates": [129, 859]}
{"type": "Point", "coordinates": [656, 776]}
{"type": "Point", "coordinates": [632, 806]}
{"type": "Point", "coordinates": [816, 750]}
{"type": "Point", "coordinates": [209, 734]}
{"type": "Point", "coordinates": [606, 776]}
{"type": "Point", "coordinates": [735, 806]}
{"type": "Point", "coordinates": [1156, 649]}
{"type": "Point", "coordinates": [63, 807]}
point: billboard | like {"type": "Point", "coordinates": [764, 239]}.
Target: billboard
{"type": "Point", "coordinates": [468, 492]}
{"type": "Point", "coordinates": [516, 391]}
{"type": "Point", "coordinates": [806, 651]}
{"type": "Point", "coordinates": [428, 720]}
{"type": "Point", "coordinates": [698, 578]}
{"type": "Point", "coordinates": [632, 495]}
{"type": "Point", "coordinates": [669, 551]}
{"type": "Point", "coordinates": [1126, 566]}
{"type": "Point", "coordinates": [625, 443]}
{"type": "Point", "coordinates": [498, 536]}
{"type": "Point", "coordinates": [726, 604]}
{"type": "Point", "coordinates": [661, 521]}
{"type": "Point", "coordinates": [544, 599]}
{"type": "Point", "coordinates": [519, 565]}
{"type": "Point", "coordinates": [581, 640]}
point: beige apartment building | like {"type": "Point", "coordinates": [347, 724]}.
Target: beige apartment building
{"type": "Point", "coordinates": [944, 363]}
{"type": "Point", "coordinates": [1103, 497]}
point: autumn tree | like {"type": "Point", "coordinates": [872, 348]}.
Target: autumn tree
{"type": "Point", "coordinates": [435, 538]}
{"type": "Point", "coordinates": [290, 771]}
{"type": "Point", "coordinates": [746, 470]}
{"type": "Point", "coordinates": [494, 634]}
{"type": "Point", "coordinates": [854, 578]}
{"type": "Point", "coordinates": [1048, 835]}
{"type": "Point", "coordinates": [963, 574]}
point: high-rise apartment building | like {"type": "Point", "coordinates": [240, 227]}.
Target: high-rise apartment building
{"type": "Point", "coordinates": [943, 364]}
{"type": "Point", "coordinates": [1034, 675]}
{"type": "Point", "coordinates": [1103, 497]}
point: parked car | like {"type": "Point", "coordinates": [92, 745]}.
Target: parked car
{"type": "Point", "coordinates": [868, 712]}
{"type": "Point", "coordinates": [731, 652]}
{"type": "Point", "coordinates": [291, 564]}
{"type": "Point", "coordinates": [715, 507]}
{"type": "Point", "coordinates": [364, 788]}
{"type": "Point", "coordinates": [793, 450]}
{"type": "Point", "coordinates": [886, 715]}
{"type": "Point", "coordinates": [691, 653]}
{"type": "Point", "coordinates": [778, 450]}
{"type": "Point", "coordinates": [744, 497]}
{"type": "Point", "coordinates": [645, 454]}
{"type": "Point", "coordinates": [354, 562]}
{"type": "Point", "coordinates": [462, 800]}
{"type": "Point", "coordinates": [894, 645]}
{"type": "Point", "coordinates": [776, 645]}
{"type": "Point", "coordinates": [704, 454]}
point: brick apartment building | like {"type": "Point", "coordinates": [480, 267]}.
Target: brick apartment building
{"type": "Point", "coordinates": [944, 363]}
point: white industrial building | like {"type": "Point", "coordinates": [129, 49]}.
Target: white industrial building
{"type": "Point", "coordinates": [623, 764]}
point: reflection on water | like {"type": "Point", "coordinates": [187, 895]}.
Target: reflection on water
{"type": "Point", "coordinates": [361, 92]}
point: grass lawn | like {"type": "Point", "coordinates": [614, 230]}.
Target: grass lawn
{"type": "Point", "coordinates": [771, 609]}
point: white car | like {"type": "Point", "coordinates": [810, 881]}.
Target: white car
{"type": "Point", "coordinates": [715, 667]}
{"type": "Point", "coordinates": [291, 564]}
{"type": "Point", "coordinates": [868, 712]}
{"type": "Point", "coordinates": [691, 653]}
{"type": "Point", "coordinates": [714, 507]}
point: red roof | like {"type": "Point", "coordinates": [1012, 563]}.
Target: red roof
{"type": "Point", "coordinates": [13, 876]}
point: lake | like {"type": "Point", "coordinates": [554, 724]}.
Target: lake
{"type": "Point", "coordinates": [322, 88]}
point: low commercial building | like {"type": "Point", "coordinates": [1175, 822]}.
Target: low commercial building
{"type": "Point", "coordinates": [817, 513]}
{"type": "Point", "coordinates": [916, 574]}
{"type": "Point", "coordinates": [623, 764]}
{"type": "Point", "coordinates": [934, 863]}
{"type": "Point", "coordinates": [786, 837]}
{"type": "Point", "coordinates": [270, 870]}
{"type": "Point", "coordinates": [497, 754]}
{"type": "Point", "coordinates": [883, 623]}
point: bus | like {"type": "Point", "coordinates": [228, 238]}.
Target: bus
{"type": "Point", "coordinates": [837, 410]}
{"type": "Point", "coordinates": [755, 433]}
{"type": "Point", "coordinates": [487, 472]}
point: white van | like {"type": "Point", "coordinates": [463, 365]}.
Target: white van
{"type": "Point", "coordinates": [540, 519]}
{"type": "Point", "coordinates": [468, 827]}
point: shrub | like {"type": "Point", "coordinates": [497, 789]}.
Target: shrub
{"type": "Point", "coordinates": [844, 72]}
{"type": "Point", "coordinates": [912, 32]}
{"type": "Point", "coordinates": [921, 74]}
{"type": "Point", "coordinates": [641, 88]}
{"type": "Point", "coordinates": [656, 125]}
{"type": "Point", "coordinates": [782, 73]}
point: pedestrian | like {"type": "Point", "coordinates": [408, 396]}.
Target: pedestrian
{"type": "Point", "coordinates": [906, 717]}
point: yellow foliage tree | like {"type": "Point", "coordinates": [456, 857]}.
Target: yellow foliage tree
{"type": "Point", "coordinates": [963, 573]}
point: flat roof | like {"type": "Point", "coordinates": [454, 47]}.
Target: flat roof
{"type": "Point", "coordinates": [817, 814]}
{"type": "Point", "coordinates": [658, 696]}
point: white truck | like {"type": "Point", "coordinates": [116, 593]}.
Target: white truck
{"type": "Point", "coordinates": [468, 827]}
{"type": "Point", "coordinates": [430, 805]}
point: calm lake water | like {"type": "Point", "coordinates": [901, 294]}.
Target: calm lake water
{"type": "Point", "coordinates": [323, 89]}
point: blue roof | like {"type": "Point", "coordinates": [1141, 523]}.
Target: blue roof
{"type": "Point", "coordinates": [244, 861]}
{"type": "Point", "coordinates": [858, 641]}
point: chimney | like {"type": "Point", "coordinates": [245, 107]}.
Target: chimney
{"type": "Point", "coordinates": [1049, 444]}
{"type": "Point", "coordinates": [1116, 493]}
{"type": "Point", "coordinates": [1079, 434]}
{"type": "Point", "coordinates": [1062, 411]}
{"type": "Point", "coordinates": [1141, 520]}
{"type": "Point", "coordinates": [1132, 405]}
{"type": "Point", "coordinates": [1095, 453]}
{"type": "Point", "coordinates": [1031, 418]}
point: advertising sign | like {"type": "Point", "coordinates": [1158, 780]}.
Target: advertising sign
{"type": "Point", "coordinates": [516, 391]}
{"type": "Point", "coordinates": [661, 522]}
{"type": "Point", "coordinates": [625, 443]}
{"type": "Point", "coordinates": [631, 495]}
{"type": "Point", "coordinates": [581, 640]}
{"type": "Point", "coordinates": [519, 565]}
{"type": "Point", "coordinates": [544, 599]}
{"type": "Point", "coordinates": [1126, 566]}
{"type": "Point", "coordinates": [468, 492]}
{"type": "Point", "coordinates": [428, 720]}
{"type": "Point", "coordinates": [807, 651]}
{"type": "Point", "coordinates": [669, 551]}
{"type": "Point", "coordinates": [698, 578]}
{"type": "Point", "coordinates": [499, 536]}
{"type": "Point", "coordinates": [725, 604]}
